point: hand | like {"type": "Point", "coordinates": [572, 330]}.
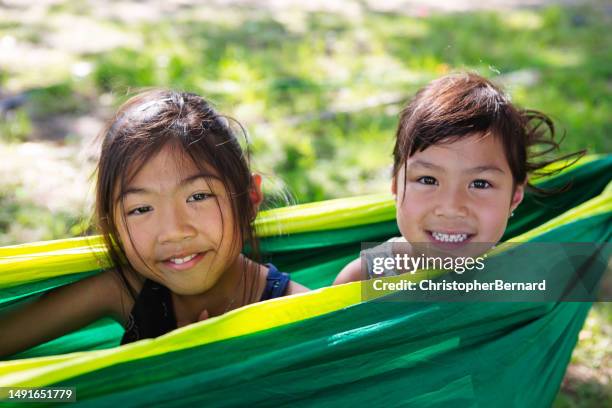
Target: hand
{"type": "Point", "coordinates": [203, 315]}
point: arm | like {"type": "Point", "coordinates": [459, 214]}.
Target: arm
{"type": "Point", "coordinates": [61, 311]}
{"type": "Point", "coordinates": [350, 273]}
{"type": "Point", "coordinates": [295, 287]}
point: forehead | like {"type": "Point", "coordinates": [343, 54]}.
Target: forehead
{"type": "Point", "coordinates": [166, 169]}
{"type": "Point", "coordinates": [169, 161]}
{"type": "Point", "coordinates": [465, 152]}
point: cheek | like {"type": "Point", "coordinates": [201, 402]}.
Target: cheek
{"type": "Point", "coordinates": [231, 231]}
{"type": "Point", "coordinates": [137, 243]}
{"type": "Point", "coordinates": [413, 204]}
{"type": "Point", "coordinates": [407, 210]}
{"type": "Point", "coordinates": [410, 211]}
{"type": "Point", "coordinates": [215, 221]}
{"type": "Point", "coordinates": [493, 219]}
{"type": "Point", "coordinates": [211, 218]}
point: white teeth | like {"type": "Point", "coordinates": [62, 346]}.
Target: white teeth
{"type": "Point", "coordinates": [439, 236]}
{"type": "Point", "coordinates": [179, 261]}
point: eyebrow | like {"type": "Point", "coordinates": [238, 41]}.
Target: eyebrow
{"type": "Point", "coordinates": [183, 182]}
{"type": "Point", "coordinates": [489, 167]}
{"type": "Point", "coordinates": [426, 164]}
{"type": "Point", "coordinates": [472, 170]}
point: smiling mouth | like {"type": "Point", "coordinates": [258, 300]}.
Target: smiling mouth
{"type": "Point", "coordinates": [184, 262]}
{"type": "Point", "coordinates": [179, 261]}
{"type": "Point", "coordinates": [449, 237]}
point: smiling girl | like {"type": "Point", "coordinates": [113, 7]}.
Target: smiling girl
{"type": "Point", "coordinates": [462, 157]}
{"type": "Point", "coordinates": [175, 202]}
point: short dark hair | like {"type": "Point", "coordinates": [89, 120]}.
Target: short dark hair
{"type": "Point", "coordinates": [464, 104]}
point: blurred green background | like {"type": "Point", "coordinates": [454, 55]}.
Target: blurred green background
{"type": "Point", "coordinates": [318, 86]}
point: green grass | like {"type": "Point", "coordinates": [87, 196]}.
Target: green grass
{"type": "Point", "coordinates": [22, 220]}
{"type": "Point", "coordinates": [303, 87]}
{"type": "Point", "coordinates": [590, 387]}
{"type": "Point", "coordinates": [15, 126]}
{"type": "Point", "coordinates": [263, 72]}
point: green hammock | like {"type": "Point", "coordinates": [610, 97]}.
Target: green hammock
{"type": "Point", "coordinates": [326, 347]}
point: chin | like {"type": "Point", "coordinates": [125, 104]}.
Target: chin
{"type": "Point", "coordinates": [190, 291]}
{"type": "Point", "coordinates": [184, 287]}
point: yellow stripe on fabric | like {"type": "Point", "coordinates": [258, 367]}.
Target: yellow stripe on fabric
{"type": "Point", "coordinates": [326, 215]}
{"type": "Point", "coordinates": [22, 269]}
{"type": "Point", "coordinates": [48, 246]}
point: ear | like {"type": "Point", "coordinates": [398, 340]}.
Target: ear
{"type": "Point", "coordinates": [255, 194]}
{"type": "Point", "coordinates": [394, 185]}
{"type": "Point", "coordinates": [517, 196]}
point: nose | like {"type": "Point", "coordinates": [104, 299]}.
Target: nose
{"type": "Point", "coordinates": [175, 226]}
{"type": "Point", "coordinates": [452, 202]}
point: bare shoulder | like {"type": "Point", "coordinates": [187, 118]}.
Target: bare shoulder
{"type": "Point", "coordinates": [350, 273]}
{"type": "Point", "coordinates": [104, 290]}
{"type": "Point", "coordinates": [120, 298]}
{"type": "Point", "coordinates": [108, 293]}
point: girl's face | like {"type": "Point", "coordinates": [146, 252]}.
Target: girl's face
{"type": "Point", "coordinates": [456, 193]}
{"type": "Point", "coordinates": [180, 222]}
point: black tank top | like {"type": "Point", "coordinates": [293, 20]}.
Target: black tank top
{"type": "Point", "coordinates": [153, 314]}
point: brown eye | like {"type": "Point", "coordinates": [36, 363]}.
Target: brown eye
{"type": "Point", "coordinates": [140, 210]}
{"type": "Point", "coordinates": [480, 184]}
{"type": "Point", "coordinates": [427, 180]}
{"type": "Point", "coordinates": [199, 197]}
